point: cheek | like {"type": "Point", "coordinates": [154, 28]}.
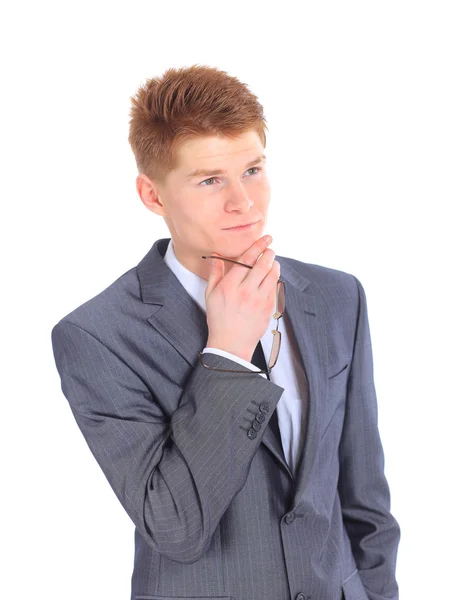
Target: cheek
{"type": "Point", "coordinates": [263, 187]}
{"type": "Point", "coordinates": [201, 220]}
{"type": "Point", "coordinates": [187, 220]}
{"type": "Point", "coordinates": [263, 198]}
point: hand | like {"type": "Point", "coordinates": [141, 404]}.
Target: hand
{"type": "Point", "coordinates": [240, 304]}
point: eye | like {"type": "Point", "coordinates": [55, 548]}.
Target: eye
{"type": "Point", "coordinates": [205, 181]}
{"type": "Point", "coordinates": [257, 169]}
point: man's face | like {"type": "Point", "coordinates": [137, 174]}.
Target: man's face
{"type": "Point", "coordinates": [199, 207]}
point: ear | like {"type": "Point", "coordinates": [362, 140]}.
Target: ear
{"type": "Point", "coordinates": [148, 191]}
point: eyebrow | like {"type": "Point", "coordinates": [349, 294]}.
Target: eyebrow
{"type": "Point", "coordinates": [212, 173]}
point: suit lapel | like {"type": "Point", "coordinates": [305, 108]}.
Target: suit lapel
{"type": "Point", "coordinates": [304, 312]}
{"type": "Point", "coordinates": [178, 318]}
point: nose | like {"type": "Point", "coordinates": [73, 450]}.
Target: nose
{"type": "Point", "coordinates": [238, 198]}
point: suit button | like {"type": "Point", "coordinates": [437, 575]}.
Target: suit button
{"type": "Point", "coordinates": [252, 434]}
{"type": "Point", "coordinates": [264, 407]}
{"type": "Point", "coordinates": [300, 597]}
{"type": "Point", "coordinates": [260, 417]}
{"type": "Point", "coordinates": [288, 519]}
{"type": "Point", "coordinates": [256, 425]}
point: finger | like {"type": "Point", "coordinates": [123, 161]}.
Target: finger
{"type": "Point", "coordinates": [216, 272]}
{"type": "Point", "coordinates": [250, 257]}
{"type": "Point", "coordinates": [261, 269]}
{"type": "Point", "coordinates": [269, 283]}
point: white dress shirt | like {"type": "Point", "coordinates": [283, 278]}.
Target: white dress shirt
{"type": "Point", "coordinates": [287, 373]}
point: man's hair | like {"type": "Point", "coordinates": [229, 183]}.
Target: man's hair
{"type": "Point", "coordinates": [187, 103]}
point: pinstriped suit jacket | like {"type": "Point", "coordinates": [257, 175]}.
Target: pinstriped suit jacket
{"type": "Point", "coordinates": [217, 512]}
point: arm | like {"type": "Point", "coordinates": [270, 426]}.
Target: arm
{"type": "Point", "coordinates": [363, 489]}
{"type": "Point", "coordinates": [175, 475]}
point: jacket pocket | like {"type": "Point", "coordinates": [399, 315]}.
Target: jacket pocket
{"type": "Point", "coordinates": [334, 406]}
{"type": "Point", "coordinates": [353, 588]}
{"type": "Point", "coordinates": [337, 371]}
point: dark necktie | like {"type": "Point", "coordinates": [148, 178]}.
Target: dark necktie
{"type": "Point", "coordinates": [258, 359]}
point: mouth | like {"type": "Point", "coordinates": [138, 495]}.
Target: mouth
{"type": "Point", "coordinates": [241, 227]}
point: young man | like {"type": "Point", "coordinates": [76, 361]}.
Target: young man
{"type": "Point", "coordinates": [250, 470]}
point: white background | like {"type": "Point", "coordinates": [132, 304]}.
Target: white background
{"type": "Point", "coordinates": [363, 102]}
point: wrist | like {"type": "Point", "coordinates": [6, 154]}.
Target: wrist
{"type": "Point", "coordinates": [245, 355]}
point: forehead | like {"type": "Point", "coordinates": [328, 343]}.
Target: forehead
{"type": "Point", "coordinates": [216, 153]}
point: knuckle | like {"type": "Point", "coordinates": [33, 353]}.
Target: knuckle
{"type": "Point", "coordinates": [245, 295]}
{"type": "Point", "coordinates": [226, 287]}
{"type": "Point", "coordinates": [256, 303]}
{"type": "Point", "coordinates": [276, 272]}
{"type": "Point", "coordinates": [270, 254]}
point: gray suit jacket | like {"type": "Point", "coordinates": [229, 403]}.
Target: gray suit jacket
{"type": "Point", "coordinates": [217, 512]}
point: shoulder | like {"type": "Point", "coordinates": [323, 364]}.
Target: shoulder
{"type": "Point", "coordinates": [334, 296]}
{"type": "Point", "coordinates": [120, 299]}
{"type": "Point", "coordinates": [323, 280]}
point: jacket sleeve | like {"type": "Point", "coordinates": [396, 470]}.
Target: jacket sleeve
{"type": "Point", "coordinates": [175, 475]}
{"type": "Point", "coordinates": [363, 489]}
{"type": "Point", "coordinates": [238, 359]}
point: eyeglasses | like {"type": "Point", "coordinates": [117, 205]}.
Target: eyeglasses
{"type": "Point", "coordinates": [280, 303]}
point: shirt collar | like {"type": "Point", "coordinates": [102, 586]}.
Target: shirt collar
{"type": "Point", "coordinates": [192, 283]}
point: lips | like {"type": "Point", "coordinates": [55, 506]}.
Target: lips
{"type": "Point", "coordinates": [243, 225]}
